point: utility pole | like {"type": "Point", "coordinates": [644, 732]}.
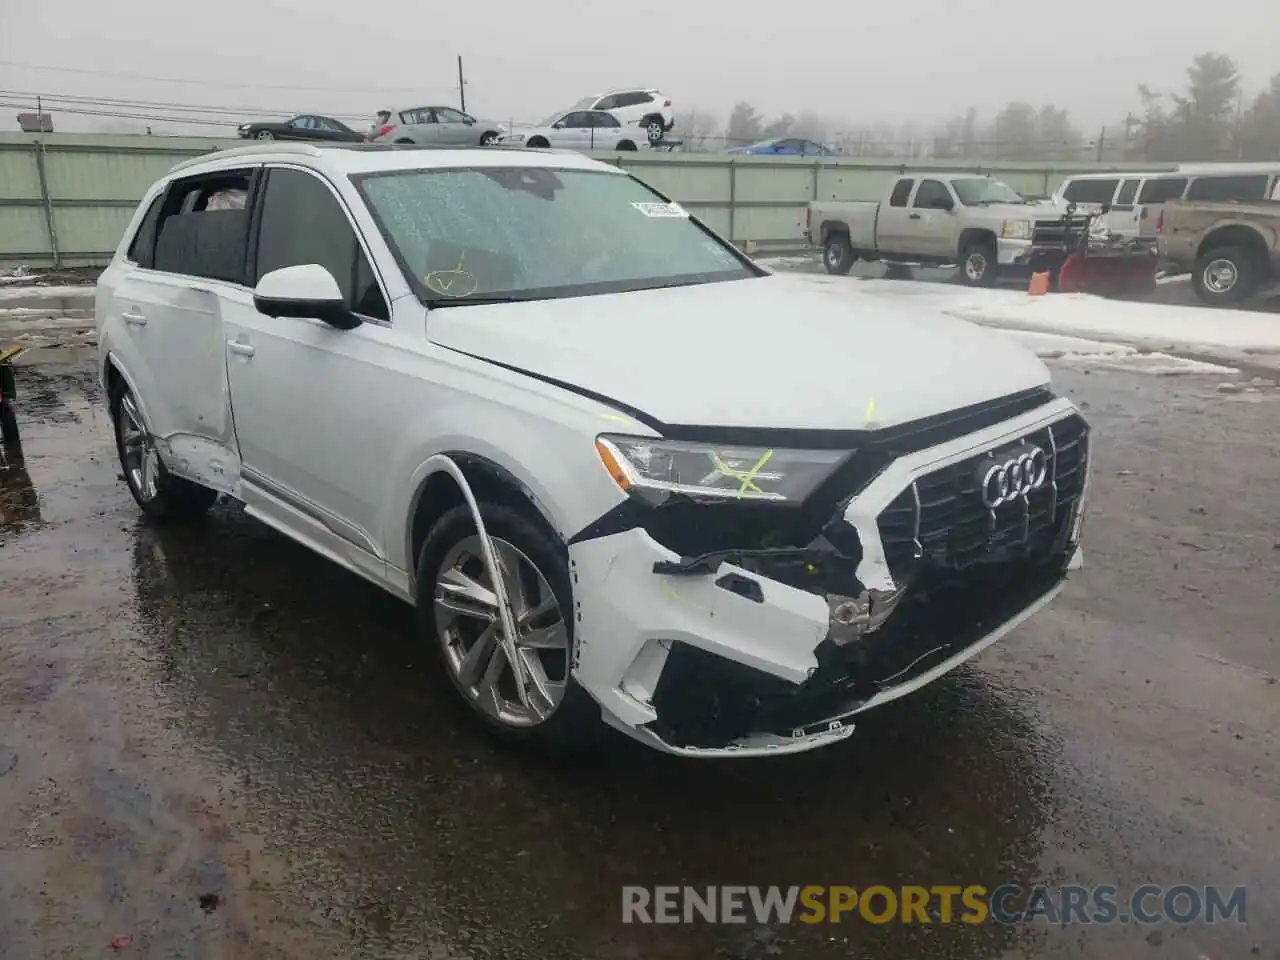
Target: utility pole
{"type": "Point", "coordinates": [1102, 137]}
{"type": "Point", "coordinates": [462, 93]}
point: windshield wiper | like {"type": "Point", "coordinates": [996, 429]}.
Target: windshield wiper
{"type": "Point", "coordinates": [478, 301]}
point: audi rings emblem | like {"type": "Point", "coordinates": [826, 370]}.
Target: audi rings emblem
{"type": "Point", "coordinates": [1014, 479]}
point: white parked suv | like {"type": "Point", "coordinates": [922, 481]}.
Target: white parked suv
{"type": "Point", "coordinates": [636, 106]}
{"type": "Point", "coordinates": [624, 473]}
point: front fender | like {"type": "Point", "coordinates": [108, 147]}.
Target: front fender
{"type": "Point", "coordinates": [554, 460]}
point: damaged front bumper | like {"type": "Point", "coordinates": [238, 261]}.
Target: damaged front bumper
{"type": "Point", "coordinates": [734, 655]}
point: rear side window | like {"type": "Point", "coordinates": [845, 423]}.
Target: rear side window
{"type": "Point", "coordinates": [204, 243]}
{"type": "Point", "coordinates": [1090, 191]}
{"type": "Point", "coordinates": [143, 246]}
{"type": "Point", "coordinates": [302, 222]}
{"type": "Point", "coordinates": [901, 190]}
{"type": "Point", "coordinates": [1162, 190]}
{"type": "Point", "coordinates": [1128, 190]}
{"type": "Point", "coordinates": [1250, 187]}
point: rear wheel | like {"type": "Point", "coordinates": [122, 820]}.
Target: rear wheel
{"type": "Point", "coordinates": [626, 145]}
{"type": "Point", "coordinates": [837, 254]}
{"type": "Point", "coordinates": [488, 138]}
{"type": "Point", "coordinates": [161, 496]}
{"type": "Point", "coordinates": [978, 265]}
{"type": "Point", "coordinates": [1226, 275]}
{"type": "Point", "coordinates": [540, 142]}
{"type": "Point", "coordinates": [654, 129]}
{"type": "Point", "coordinates": [458, 614]}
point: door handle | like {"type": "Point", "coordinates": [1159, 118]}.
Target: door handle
{"type": "Point", "coordinates": [134, 318]}
{"type": "Point", "coordinates": [913, 216]}
{"type": "Point", "coordinates": [243, 349]}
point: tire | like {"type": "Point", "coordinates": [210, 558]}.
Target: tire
{"type": "Point", "coordinates": [538, 143]}
{"type": "Point", "coordinates": [488, 138]}
{"type": "Point", "coordinates": [1226, 275]}
{"type": "Point", "coordinates": [8, 424]}
{"type": "Point", "coordinates": [569, 726]}
{"type": "Point", "coordinates": [405, 140]}
{"type": "Point", "coordinates": [978, 265]}
{"type": "Point", "coordinates": [163, 498]}
{"type": "Point", "coordinates": [837, 255]}
{"type": "Point", "coordinates": [265, 135]}
{"type": "Point", "coordinates": [626, 145]}
{"type": "Point", "coordinates": [654, 129]}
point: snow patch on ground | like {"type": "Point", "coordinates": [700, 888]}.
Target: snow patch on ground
{"type": "Point", "coordinates": [19, 292]}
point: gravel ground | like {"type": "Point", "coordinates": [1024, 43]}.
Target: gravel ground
{"type": "Point", "coordinates": [216, 744]}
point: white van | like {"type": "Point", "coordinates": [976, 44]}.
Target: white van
{"type": "Point", "coordinates": [1136, 198]}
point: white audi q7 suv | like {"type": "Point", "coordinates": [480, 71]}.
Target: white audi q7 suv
{"type": "Point", "coordinates": [623, 473]}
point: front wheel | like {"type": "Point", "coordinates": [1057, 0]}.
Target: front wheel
{"type": "Point", "coordinates": [488, 138]}
{"type": "Point", "coordinates": [837, 255]}
{"type": "Point", "coordinates": [538, 143]}
{"type": "Point", "coordinates": [654, 130]}
{"type": "Point", "coordinates": [458, 614]}
{"type": "Point", "coordinates": [626, 145]}
{"type": "Point", "coordinates": [266, 135]}
{"type": "Point", "coordinates": [161, 496]}
{"type": "Point", "coordinates": [1226, 275]}
{"type": "Point", "coordinates": [978, 264]}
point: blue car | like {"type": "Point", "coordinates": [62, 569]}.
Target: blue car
{"type": "Point", "coordinates": [784, 147]}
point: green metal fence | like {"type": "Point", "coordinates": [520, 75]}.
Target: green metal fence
{"type": "Point", "coordinates": [65, 199]}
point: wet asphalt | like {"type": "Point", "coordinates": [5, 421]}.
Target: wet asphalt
{"type": "Point", "coordinates": [214, 744]}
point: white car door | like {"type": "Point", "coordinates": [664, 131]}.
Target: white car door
{"type": "Point", "coordinates": [170, 302]}
{"type": "Point", "coordinates": [314, 433]}
{"type": "Point", "coordinates": [574, 132]}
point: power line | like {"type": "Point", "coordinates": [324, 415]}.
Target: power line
{"type": "Point", "coordinates": [57, 99]}
{"type": "Point", "coordinates": [119, 115]}
{"type": "Point", "coordinates": [220, 82]}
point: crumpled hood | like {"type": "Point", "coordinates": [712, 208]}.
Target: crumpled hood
{"type": "Point", "coordinates": [769, 352]}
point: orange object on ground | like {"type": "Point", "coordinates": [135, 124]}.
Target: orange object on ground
{"type": "Point", "coordinates": [1039, 285]}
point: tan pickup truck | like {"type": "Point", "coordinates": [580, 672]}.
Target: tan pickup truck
{"type": "Point", "coordinates": [1232, 248]}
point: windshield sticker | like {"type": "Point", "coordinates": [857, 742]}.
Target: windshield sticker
{"type": "Point", "coordinates": [662, 210]}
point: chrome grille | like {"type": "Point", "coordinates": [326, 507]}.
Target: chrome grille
{"type": "Point", "coordinates": [941, 517]}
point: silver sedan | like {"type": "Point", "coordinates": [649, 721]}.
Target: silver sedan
{"type": "Point", "coordinates": [434, 126]}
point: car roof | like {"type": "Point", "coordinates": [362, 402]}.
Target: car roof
{"type": "Point", "coordinates": [345, 159]}
{"type": "Point", "coordinates": [609, 93]}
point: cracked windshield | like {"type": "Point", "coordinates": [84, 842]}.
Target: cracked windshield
{"type": "Point", "coordinates": [494, 482]}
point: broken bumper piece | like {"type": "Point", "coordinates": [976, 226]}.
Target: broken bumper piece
{"type": "Point", "coordinates": [733, 654]}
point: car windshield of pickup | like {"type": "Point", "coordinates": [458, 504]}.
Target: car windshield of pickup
{"type": "Point", "coordinates": [501, 234]}
{"type": "Point", "coordinates": [979, 191]}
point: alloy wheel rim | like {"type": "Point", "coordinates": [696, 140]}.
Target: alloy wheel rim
{"type": "Point", "coordinates": [266, 135]}
{"type": "Point", "coordinates": [469, 628]}
{"type": "Point", "coordinates": [1220, 276]}
{"type": "Point", "coordinates": [138, 451]}
{"type": "Point", "coordinates": [654, 130]}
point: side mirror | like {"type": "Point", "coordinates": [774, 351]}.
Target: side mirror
{"type": "Point", "coordinates": [559, 124]}
{"type": "Point", "coordinates": [308, 291]}
{"type": "Point", "coordinates": [468, 121]}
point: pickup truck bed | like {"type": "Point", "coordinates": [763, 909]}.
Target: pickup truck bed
{"type": "Point", "coordinates": [1231, 248]}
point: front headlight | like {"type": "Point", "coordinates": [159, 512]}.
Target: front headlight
{"type": "Point", "coordinates": [1016, 230]}
{"type": "Point", "coordinates": [709, 471]}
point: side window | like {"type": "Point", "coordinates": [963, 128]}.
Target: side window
{"type": "Point", "coordinates": [449, 115]}
{"type": "Point", "coordinates": [579, 118]}
{"type": "Point", "coordinates": [605, 120]}
{"type": "Point", "coordinates": [203, 227]}
{"type": "Point", "coordinates": [1162, 190]}
{"type": "Point", "coordinates": [930, 194]}
{"type": "Point", "coordinates": [302, 222]}
{"type": "Point", "coordinates": [1128, 190]}
{"type": "Point", "coordinates": [901, 190]}
{"type": "Point", "coordinates": [1090, 191]}
{"type": "Point", "coordinates": [1251, 187]}
{"type": "Point", "coordinates": [142, 248]}
{"type": "Point", "coordinates": [607, 103]}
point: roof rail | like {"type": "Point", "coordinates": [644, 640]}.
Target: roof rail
{"type": "Point", "coordinates": [259, 146]}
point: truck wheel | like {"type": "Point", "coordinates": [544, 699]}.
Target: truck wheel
{"type": "Point", "coordinates": [837, 255]}
{"type": "Point", "coordinates": [1225, 275]}
{"type": "Point", "coordinates": [978, 266]}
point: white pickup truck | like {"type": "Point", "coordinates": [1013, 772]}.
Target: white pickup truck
{"type": "Point", "coordinates": [975, 221]}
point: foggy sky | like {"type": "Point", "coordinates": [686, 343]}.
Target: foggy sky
{"type": "Point", "coordinates": [858, 61]}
